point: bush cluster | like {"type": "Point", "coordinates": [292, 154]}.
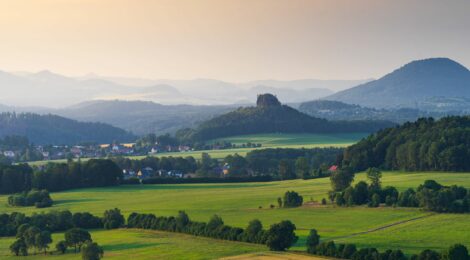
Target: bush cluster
{"type": "Point", "coordinates": [38, 198]}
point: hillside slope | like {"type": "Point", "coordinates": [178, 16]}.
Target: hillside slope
{"type": "Point", "coordinates": [270, 116]}
{"type": "Point", "coordinates": [423, 145]}
{"type": "Point", "coordinates": [52, 129]}
{"type": "Point", "coordinates": [412, 85]}
{"type": "Point", "coordinates": [142, 117]}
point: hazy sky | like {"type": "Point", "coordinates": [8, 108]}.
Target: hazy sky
{"type": "Point", "coordinates": [230, 40]}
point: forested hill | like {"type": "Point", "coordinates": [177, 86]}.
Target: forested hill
{"type": "Point", "coordinates": [423, 145]}
{"type": "Point", "coordinates": [415, 85]}
{"type": "Point", "coordinates": [270, 116]}
{"type": "Point", "coordinates": [51, 129]}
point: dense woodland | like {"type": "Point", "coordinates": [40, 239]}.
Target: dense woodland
{"type": "Point", "coordinates": [51, 129]}
{"type": "Point", "coordinates": [426, 144]}
{"type": "Point", "coordinates": [271, 116]}
{"type": "Point", "coordinates": [59, 176]}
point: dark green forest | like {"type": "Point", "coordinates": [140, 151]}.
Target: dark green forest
{"type": "Point", "coordinates": [426, 144]}
{"type": "Point", "coordinates": [51, 129]}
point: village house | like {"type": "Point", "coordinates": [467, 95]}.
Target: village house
{"type": "Point", "coordinates": [145, 173]}
{"type": "Point", "coordinates": [9, 154]}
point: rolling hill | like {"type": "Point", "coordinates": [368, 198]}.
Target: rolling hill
{"type": "Point", "coordinates": [52, 129]}
{"type": "Point", "coordinates": [413, 85]}
{"type": "Point", "coordinates": [142, 117]}
{"type": "Point", "coordinates": [270, 116]}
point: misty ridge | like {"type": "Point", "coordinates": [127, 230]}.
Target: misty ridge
{"type": "Point", "coordinates": [51, 90]}
{"type": "Point", "coordinates": [433, 87]}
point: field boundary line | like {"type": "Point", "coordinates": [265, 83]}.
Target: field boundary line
{"type": "Point", "coordinates": [382, 227]}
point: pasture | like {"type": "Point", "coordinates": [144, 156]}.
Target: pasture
{"type": "Point", "coordinates": [409, 229]}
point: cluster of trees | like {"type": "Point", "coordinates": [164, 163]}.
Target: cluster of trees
{"type": "Point", "coordinates": [278, 237]}
{"type": "Point", "coordinates": [57, 221]}
{"type": "Point", "coordinates": [422, 145]}
{"type": "Point", "coordinates": [289, 163]}
{"type": "Point", "coordinates": [291, 199]}
{"type": "Point", "coordinates": [430, 195]}
{"type": "Point", "coordinates": [37, 198]}
{"type": "Point", "coordinates": [28, 237]}
{"type": "Point", "coordinates": [59, 176]}
{"type": "Point", "coordinates": [350, 251]}
{"type": "Point", "coordinates": [373, 194]}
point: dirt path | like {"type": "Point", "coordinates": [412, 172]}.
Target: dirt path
{"type": "Point", "coordinates": [381, 228]}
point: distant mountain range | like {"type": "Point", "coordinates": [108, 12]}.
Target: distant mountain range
{"type": "Point", "coordinates": [47, 89]}
{"type": "Point", "coordinates": [336, 110]}
{"type": "Point", "coordinates": [270, 116]}
{"type": "Point", "coordinates": [51, 129]}
{"type": "Point", "coordinates": [424, 84]}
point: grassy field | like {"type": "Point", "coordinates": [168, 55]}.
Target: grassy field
{"type": "Point", "coordinates": [267, 141]}
{"type": "Point", "coordinates": [410, 229]}
{"type": "Point", "coordinates": [145, 244]}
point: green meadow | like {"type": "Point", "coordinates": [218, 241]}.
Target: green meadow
{"type": "Point", "coordinates": [409, 229]}
{"type": "Point", "coordinates": [145, 244]}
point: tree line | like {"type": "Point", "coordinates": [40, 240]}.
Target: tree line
{"type": "Point", "coordinates": [350, 251]}
{"type": "Point", "coordinates": [279, 236]}
{"type": "Point", "coordinates": [426, 144]}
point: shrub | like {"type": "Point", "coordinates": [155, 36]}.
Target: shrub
{"type": "Point", "coordinates": [292, 199]}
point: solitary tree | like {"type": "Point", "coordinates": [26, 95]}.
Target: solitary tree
{"type": "Point", "coordinates": [313, 240]}
{"type": "Point", "coordinates": [253, 230]}
{"type": "Point", "coordinates": [42, 240]}
{"type": "Point", "coordinates": [281, 236]}
{"type": "Point", "coordinates": [76, 237]}
{"type": "Point", "coordinates": [19, 247]}
{"type": "Point", "coordinates": [374, 175]}
{"type": "Point", "coordinates": [113, 219]}
{"type": "Point", "coordinates": [92, 251]}
{"type": "Point", "coordinates": [341, 179]}
{"type": "Point", "coordinates": [292, 199]}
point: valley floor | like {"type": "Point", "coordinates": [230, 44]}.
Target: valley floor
{"type": "Point", "coordinates": [409, 229]}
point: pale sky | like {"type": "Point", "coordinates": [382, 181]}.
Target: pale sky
{"type": "Point", "coordinates": [230, 40]}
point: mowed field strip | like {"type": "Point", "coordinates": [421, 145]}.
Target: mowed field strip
{"type": "Point", "coordinates": [409, 229]}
